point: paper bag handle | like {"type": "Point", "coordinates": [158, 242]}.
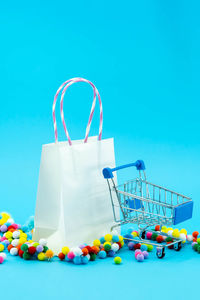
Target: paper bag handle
{"type": "Point", "coordinates": [78, 79]}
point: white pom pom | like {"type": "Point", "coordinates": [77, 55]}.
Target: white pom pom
{"type": "Point", "coordinates": [13, 251]}
{"type": "Point", "coordinates": [189, 238]}
{"type": "Point", "coordinates": [15, 242]}
{"type": "Point", "coordinates": [170, 233]}
{"type": "Point", "coordinates": [182, 236]}
{"type": "Point", "coordinates": [42, 242]}
{"type": "Point", "coordinates": [2, 254]}
{"type": "Point", "coordinates": [11, 221]}
{"type": "Point", "coordinates": [115, 247]}
{"type": "Point", "coordinates": [77, 251]}
{"type": "Point", "coordinates": [16, 234]}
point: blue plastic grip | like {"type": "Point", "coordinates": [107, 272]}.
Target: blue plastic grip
{"type": "Point", "coordinates": [108, 172]}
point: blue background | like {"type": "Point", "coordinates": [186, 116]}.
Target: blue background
{"type": "Point", "coordinates": [143, 56]}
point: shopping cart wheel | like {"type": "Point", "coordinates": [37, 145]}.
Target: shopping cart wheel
{"type": "Point", "coordinates": [160, 252]}
{"type": "Point", "coordinates": [178, 246]}
{"type": "Point", "coordinates": [143, 234]}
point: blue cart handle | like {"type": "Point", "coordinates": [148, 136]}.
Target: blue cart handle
{"type": "Point", "coordinates": [108, 172]}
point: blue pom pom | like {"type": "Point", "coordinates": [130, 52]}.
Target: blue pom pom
{"type": "Point", "coordinates": [7, 224]}
{"type": "Point", "coordinates": [115, 238]}
{"type": "Point", "coordinates": [127, 237]}
{"type": "Point", "coordinates": [102, 240]}
{"type": "Point", "coordinates": [77, 260]}
{"type": "Point", "coordinates": [111, 253]}
{"type": "Point", "coordinates": [84, 260]}
{"type": "Point", "coordinates": [143, 248]}
{"type": "Point", "coordinates": [102, 254]}
{"type": "Point", "coordinates": [24, 228]}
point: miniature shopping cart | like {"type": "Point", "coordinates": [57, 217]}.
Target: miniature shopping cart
{"type": "Point", "coordinates": [147, 204]}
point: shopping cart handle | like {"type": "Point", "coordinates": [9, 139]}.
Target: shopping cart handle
{"type": "Point", "coordinates": [108, 172]}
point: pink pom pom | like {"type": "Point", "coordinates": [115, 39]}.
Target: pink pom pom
{"type": "Point", "coordinates": [1, 259]}
{"type": "Point", "coordinates": [149, 235]}
{"type": "Point", "coordinates": [15, 226]}
{"type": "Point", "coordinates": [138, 251]}
{"type": "Point", "coordinates": [3, 238]}
{"type": "Point", "coordinates": [70, 255]}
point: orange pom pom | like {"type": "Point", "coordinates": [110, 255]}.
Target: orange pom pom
{"type": "Point", "coordinates": [85, 251]}
{"type": "Point", "coordinates": [95, 249]}
{"type": "Point", "coordinates": [10, 247]}
{"type": "Point", "coordinates": [157, 228]}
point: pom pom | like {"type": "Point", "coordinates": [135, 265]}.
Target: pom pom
{"type": "Point", "coordinates": [195, 234]}
{"type": "Point", "coordinates": [89, 249]}
{"type": "Point", "coordinates": [41, 256]}
{"type": "Point", "coordinates": [102, 254]}
{"type": "Point", "coordinates": [137, 246]}
{"type": "Point", "coordinates": [43, 242]}
{"type": "Point", "coordinates": [16, 234]}
{"type": "Point", "coordinates": [92, 256]}
{"type": "Point", "coordinates": [85, 251]}
{"type": "Point", "coordinates": [176, 233]}
{"type": "Point", "coordinates": [154, 236]}
{"type": "Point", "coordinates": [183, 231]}
{"type": "Point", "coordinates": [24, 247]}
{"type": "Point", "coordinates": [65, 250]}
{"type": "Point", "coordinates": [140, 257]}
{"type": "Point", "coordinates": [39, 248]}
{"type": "Point", "coordinates": [70, 255]}
{"type": "Point", "coordinates": [45, 248]}
{"type": "Point", "coordinates": [2, 247]}
{"type": "Point", "coordinates": [95, 249]}
{"type": "Point", "coordinates": [157, 228]}
{"type": "Point", "coordinates": [15, 242]}
{"type": "Point", "coordinates": [198, 241]}
{"type": "Point", "coordinates": [159, 239]}
{"type": "Point", "coordinates": [150, 248]}
{"type": "Point", "coordinates": [3, 228]}
{"type": "Point", "coordinates": [115, 247]}
{"type": "Point", "coordinates": [164, 229]}
{"type": "Point", "coordinates": [189, 237]}
{"type": "Point", "coordinates": [170, 232]}
{"type": "Point", "coordinates": [1, 259]}
{"type": "Point", "coordinates": [143, 247]}
{"type": "Point", "coordinates": [77, 260]}
{"type": "Point", "coordinates": [108, 237]}
{"type": "Point", "coordinates": [26, 256]}
{"type": "Point", "coordinates": [115, 238]}
{"type": "Point", "coordinates": [107, 246]}
{"type": "Point", "coordinates": [77, 251]}
{"type": "Point", "coordinates": [61, 256]}
{"type": "Point", "coordinates": [14, 251]}
{"type": "Point", "coordinates": [134, 234]}
{"type": "Point", "coordinates": [145, 254]}
{"type": "Point", "coordinates": [195, 246]}
{"type": "Point", "coordinates": [131, 245]}
{"type": "Point", "coordinates": [127, 238]}
{"type": "Point", "coordinates": [102, 240]}
{"type": "Point", "coordinates": [182, 237]}
{"type": "Point", "coordinates": [84, 260]}
{"type": "Point", "coordinates": [168, 239]}
{"type": "Point", "coordinates": [137, 251]}
{"type": "Point", "coordinates": [117, 260]}
{"type": "Point", "coordinates": [9, 247]}
{"type": "Point", "coordinates": [121, 238]}
{"type": "Point", "coordinates": [31, 250]}
{"type": "Point", "coordinates": [20, 252]}
{"type": "Point", "coordinates": [3, 255]}
{"type": "Point", "coordinates": [149, 235]}
{"type": "Point", "coordinates": [111, 253]}
{"type": "Point", "coordinates": [97, 243]}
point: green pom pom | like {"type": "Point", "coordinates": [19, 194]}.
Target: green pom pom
{"type": "Point", "coordinates": [198, 241]}
{"type": "Point", "coordinates": [92, 256]}
{"type": "Point", "coordinates": [168, 239]}
{"type": "Point", "coordinates": [195, 247]}
{"type": "Point", "coordinates": [154, 236]}
{"type": "Point", "coordinates": [107, 247]}
{"type": "Point", "coordinates": [117, 260]}
{"type": "Point", "coordinates": [35, 245]}
{"type": "Point", "coordinates": [149, 248]}
{"type": "Point", "coordinates": [24, 247]}
{"type": "Point", "coordinates": [198, 248]}
{"type": "Point", "coordinates": [45, 249]}
{"type": "Point", "coordinates": [26, 256]}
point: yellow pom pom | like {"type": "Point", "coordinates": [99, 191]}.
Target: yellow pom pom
{"type": "Point", "coordinates": [22, 240]}
{"type": "Point", "coordinates": [108, 237]}
{"type": "Point", "coordinates": [23, 235]}
{"type": "Point", "coordinates": [30, 241]}
{"type": "Point", "coordinates": [1, 247]}
{"type": "Point", "coordinates": [8, 234]}
{"type": "Point", "coordinates": [106, 243]}
{"type": "Point", "coordinates": [183, 231]}
{"type": "Point", "coordinates": [49, 253]}
{"type": "Point", "coordinates": [97, 243]}
{"type": "Point", "coordinates": [65, 250]}
{"type": "Point", "coordinates": [168, 229]}
{"type": "Point", "coordinates": [41, 256]}
{"type": "Point", "coordinates": [121, 238]}
{"type": "Point", "coordinates": [163, 229]}
{"type": "Point", "coordinates": [176, 233]}
{"type": "Point", "coordinates": [134, 234]}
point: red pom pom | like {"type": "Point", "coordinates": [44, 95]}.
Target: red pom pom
{"type": "Point", "coordinates": [10, 247]}
{"type": "Point", "coordinates": [160, 239]}
{"type": "Point", "coordinates": [85, 251]}
{"type": "Point", "coordinates": [120, 245]}
{"type": "Point", "coordinates": [31, 250]}
{"type": "Point", "coordinates": [137, 246]}
{"type": "Point", "coordinates": [61, 256]}
{"type": "Point", "coordinates": [89, 249]}
{"type": "Point", "coordinates": [21, 253]}
{"type": "Point", "coordinates": [11, 228]}
{"type": "Point", "coordinates": [157, 228]}
{"type": "Point", "coordinates": [195, 234]}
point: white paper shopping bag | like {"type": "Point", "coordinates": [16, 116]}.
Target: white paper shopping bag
{"type": "Point", "coordinates": [73, 204]}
